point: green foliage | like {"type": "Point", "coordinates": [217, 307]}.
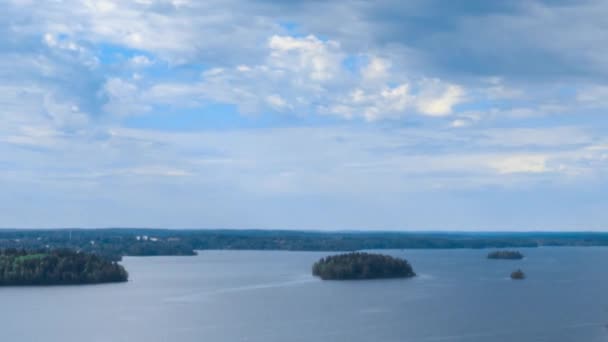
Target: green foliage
{"type": "Point", "coordinates": [112, 244]}
{"type": "Point", "coordinates": [31, 257]}
{"type": "Point", "coordinates": [508, 255]}
{"type": "Point", "coordinates": [352, 266]}
{"type": "Point", "coordinates": [57, 267]}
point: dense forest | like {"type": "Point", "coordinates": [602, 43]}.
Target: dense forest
{"type": "Point", "coordinates": [114, 243]}
{"type": "Point", "coordinates": [352, 266]}
{"type": "Point", "coordinates": [57, 267]}
{"type": "Point", "coordinates": [508, 255]}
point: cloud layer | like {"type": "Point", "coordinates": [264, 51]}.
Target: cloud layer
{"type": "Point", "coordinates": [268, 114]}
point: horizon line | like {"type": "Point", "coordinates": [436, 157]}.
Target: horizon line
{"type": "Point", "coordinates": [434, 231]}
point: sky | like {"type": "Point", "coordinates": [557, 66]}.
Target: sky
{"type": "Point", "coordinates": [366, 115]}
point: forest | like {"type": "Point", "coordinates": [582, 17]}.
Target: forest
{"type": "Point", "coordinates": [358, 265]}
{"type": "Point", "coordinates": [57, 267]}
{"type": "Point", "coordinates": [507, 255]}
{"type": "Point", "coordinates": [114, 243]}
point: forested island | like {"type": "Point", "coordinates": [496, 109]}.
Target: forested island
{"type": "Point", "coordinates": [506, 255]}
{"type": "Point", "coordinates": [57, 267]}
{"type": "Point", "coordinates": [518, 275]}
{"type": "Point", "coordinates": [354, 266]}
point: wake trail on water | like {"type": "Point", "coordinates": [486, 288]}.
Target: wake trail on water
{"type": "Point", "coordinates": [252, 287]}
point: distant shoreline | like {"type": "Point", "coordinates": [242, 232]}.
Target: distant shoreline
{"type": "Point", "coordinates": [322, 231]}
{"type": "Point", "coordinates": [115, 243]}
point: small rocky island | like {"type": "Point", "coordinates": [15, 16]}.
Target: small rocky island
{"type": "Point", "coordinates": [358, 265]}
{"type": "Point", "coordinates": [57, 267]}
{"type": "Point", "coordinates": [518, 275]}
{"type": "Point", "coordinates": [506, 255]}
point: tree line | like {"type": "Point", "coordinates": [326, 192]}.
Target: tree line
{"type": "Point", "coordinates": [112, 244]}
{"type": "Point", "coordinates": [359, 265]}
{"type": "Point", "coordinates": [57, 267]}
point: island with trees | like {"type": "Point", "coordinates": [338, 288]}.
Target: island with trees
{"type": "Point", "coordinates": [57, 267]}
{"type": "Point", "coordinates": [505, 255]}
{"type": "Point", "coordinates": [359, 265]}
{"type": "Point", "coordinates": [518, 275]}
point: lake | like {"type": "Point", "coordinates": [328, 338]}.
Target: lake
{"type": "Point", "coordinates": [267, 296]}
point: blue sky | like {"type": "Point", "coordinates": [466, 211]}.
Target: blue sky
{"type": "Point", "coordinates": [392, 115]}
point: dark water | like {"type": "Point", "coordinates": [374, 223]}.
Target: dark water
{"type": "Point", "coordinates": [270, 296]}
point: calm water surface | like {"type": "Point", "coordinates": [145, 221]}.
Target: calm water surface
{"type": "Point", "coordinates": [225, 296]}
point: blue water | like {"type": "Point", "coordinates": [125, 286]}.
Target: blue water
{"type": "Point", "coordinates": [226, 296]}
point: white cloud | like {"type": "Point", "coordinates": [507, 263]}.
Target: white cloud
{"type": "Point", "coordinates": [343, 159]}
{"type": "Point", "coordinates": [277, 102]}
{"type": "Point", "coordinates": [566, 136]}
{"type": "Point", "coordinates": [521, 164]}
{"type": "Point", "coordinates": [496, 89]}
{"type": "Point", "coordinates": [398, 101]}
{"type": "Point", "coordinates": [308, 72]}
{"type": "Point", "coordinates": [311, 78]}
{"type": "Point", "coordinates": [377, 68]}
{"type": "Point", "coordinates": [397, 98]}
{"type": "Point", "coordinates": [437, 99]}
{"type": "Point", "coordinates": [593, 96]}
{"type": "Point", "coordinates": [458, 123]}
{"type": "Point", "coordinates": [310, 56]}
{"type": "Point", "coordinates": [155, 170]}
{"type": "Point", "coordinates": [140, 61]}
{"type": "Point", "coordinates": [70, 71]}
{"type": "Point", "coordinates": [124, 97]}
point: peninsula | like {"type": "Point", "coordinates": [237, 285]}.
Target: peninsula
{"type": "Point", "coordinates": [57, 267]}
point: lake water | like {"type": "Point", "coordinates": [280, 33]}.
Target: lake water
{"type": "Point", "coordinates": [226, 296]}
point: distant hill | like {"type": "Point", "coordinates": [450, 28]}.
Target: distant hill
{"type": "Point", "coordinates": [114, 243]}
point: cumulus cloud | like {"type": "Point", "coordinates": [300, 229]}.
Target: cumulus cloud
{"type": "Point", "coordinates": [388, 53]}
{"type": "Point", "coordinates": [308, 75]}
{"type": "Point", "coordinates": [488, 37]}
{"type": "Point", "coordinates": [377, 68]}
{"type": "Point", "coordinates": [177, 31]}
{"type": "Point", "coordinates": [140, 61]}
{"type": "Point", "coordinates": [439, 102]}
{"type": "Point", "coordinates": [462, 97]}
{"type": "Point", "coordinates": [317, 59]}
